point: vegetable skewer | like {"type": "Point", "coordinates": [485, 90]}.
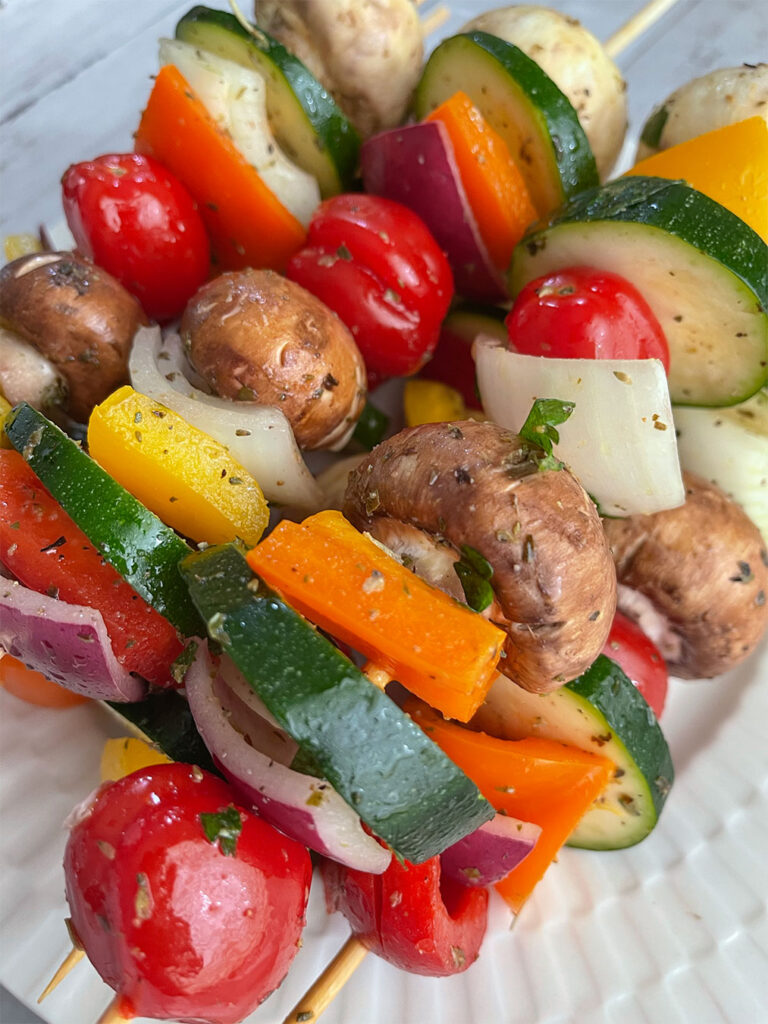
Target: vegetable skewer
{"type": "Point", "coordinates": [324, 990]}
{"type": "Point", "coordinates": [333, 978]}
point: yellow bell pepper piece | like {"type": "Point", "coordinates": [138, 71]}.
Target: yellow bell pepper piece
{"type": "Point", "coordinates": [181, 474]}
{"type": "Point", "coordinates": [430, 401]}
{"type": "Point", "coordinates": [730, 165]}
{"type": "Point", "coordinates": [123, 756]}
{"type": "Point", "coordinates": [21, 245]}
{"type": "Point", "coordinates": [5, 408]}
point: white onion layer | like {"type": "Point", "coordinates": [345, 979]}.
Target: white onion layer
{"type": "Point", "coordinates": [259, 437]}
{"type": "Point", "coordinates": [730, 448]}
{"type": "Point", "coordinates": [620, 439]}
{"type": "Point", "coordinates": [236, 98]}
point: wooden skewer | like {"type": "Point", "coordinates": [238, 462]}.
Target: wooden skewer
{"type": "Point", "coordinates": [71, 960]}
{"type": "Point", "coordinates": [432, 21]}
{"type": "Point", "coordinates": [636, 26]}
{"type": "Point", "coordinates": [352, 953]}
{"type": "Point", "coordinates": [328, 985]}
{"type": "Point", "coordinates": [112, 1015]}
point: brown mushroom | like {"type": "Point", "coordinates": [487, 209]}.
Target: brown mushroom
{"type": "Point", "coordinates": [479, 485]}
{"type": "Point", "coordinates": [696, 578]}
{"type": "Point", "coordinates": [252, 335]}
{"type": "Point", "coordinates": [77, 316]}
{"type": "Point", "coordinates": [27, 376]}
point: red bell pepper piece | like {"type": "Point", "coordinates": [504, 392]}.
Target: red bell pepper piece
{"type": "Point", "coordinates": [49, 553]}
{"type": "Point", "coordinates": [410, 916]}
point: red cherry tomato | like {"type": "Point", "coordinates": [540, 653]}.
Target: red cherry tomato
{"type": "Point", "coordinates": [188, 906]}
{"type": "Point", "coordinates": [639, 657]}
{"type": "Point", "coordinates": [375, 263]}
{"type": "Point", "coordinates": [133, 218]}
{"type": "Point", "coordinates": [583, 313]}
{"type": "Point", "coordinates": [410, 915]}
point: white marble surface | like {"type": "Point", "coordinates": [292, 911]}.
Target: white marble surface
{"type": "Point", "coordinates": [74, 75]}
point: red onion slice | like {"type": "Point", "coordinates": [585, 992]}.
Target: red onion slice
{"type": "Point", "coordinates": [416, 166]}
{"type": "Point", "coordinates": [305, 808]}
{"type": "Point", "coordinates": [68, 643]}
{"type": "Point", "coordinates": [490, 852]}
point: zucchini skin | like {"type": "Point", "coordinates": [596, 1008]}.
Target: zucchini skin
{"type": "Point", "coordinates": [335, 134]}
{"type": "Point", "coordinates": [632, 718]}
{"type": "Point", "coordinates": [398, 781]}
{"type": "Point", "coordinates": [675, 208]}
{"type": "Point", "coordinates": [140, 546]}
{"type": "Point", "coordinates": [570, 149]}
{"type": "Point", "coordinates": [165, 719]}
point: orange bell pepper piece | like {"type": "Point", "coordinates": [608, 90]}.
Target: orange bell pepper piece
{"type": "Point", "coordinates": [33, 687]}
{"type": "Point", "coordinates": [536, 780]}
{"type": "Point", "coordinates": [495, 188]}
{"type": "Point", "coordinates": [344, 583]}
{"type": "Point", "coordinates": [248, 225]}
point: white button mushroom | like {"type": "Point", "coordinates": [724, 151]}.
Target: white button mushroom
{"type": "Point", "coordinates": [367, 55]}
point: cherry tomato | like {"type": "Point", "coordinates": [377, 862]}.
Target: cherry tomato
{"type": "Point", "coordinates": [133, 218]}
{"type": "Point", "coordinates": [410, 915]}
{"type": "Point", "coordinates": [583, 313]}
{"type": "Point", "coordinates": [639, 657]}
{"type": "Point", "coordinates": [188, 906]}
{"type": "Point", "coordinates": [375, 263]}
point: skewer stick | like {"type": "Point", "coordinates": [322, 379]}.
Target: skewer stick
{"type": "Point", "coordinates": [71, 960]}
{"type": "Point", "coordinates": [432, 21]}
{"type": "Point", "coordinates": [352, 953]}
{"type": "Point", "coordinates": [112, 1015]}
{"type": "Point", "coordinates": [328, 985]}
{"type": "Point", "coordinates": [636, 26]}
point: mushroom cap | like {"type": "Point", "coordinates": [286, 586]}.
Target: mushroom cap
{"type": "Point", "coordinates": [478, 484]}
{"type": "Point", "coordinates": [367, 55]}
{"type": "Point", "coordinates": [256, 336]}
{"type": "Point", "coordinates": [704, 567]}
{"type": "Point", "coordinates": [576, 62]}
{"type": "Point", "coordinates": [76, 315]}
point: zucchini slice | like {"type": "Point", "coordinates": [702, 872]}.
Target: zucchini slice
{"type": "Point", "coordinates": [604, 713]}
{"type": "Point", "coordinates": [164, 719]}
{"type": "Point", "coordinates": [305, 120]}
{"type": "Point", "coordinates": [522, 104]}
{"type": "Point", "coordinates": [702, 270]}
{"type": "Point", "coordinates": [378, 760]}
{"type": "Point", "coordinates": [140, 546]}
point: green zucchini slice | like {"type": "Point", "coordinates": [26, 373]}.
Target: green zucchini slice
{"type": "Point", "coordinates": [604, 713]}
{"type": "Point", "coordinates": [305, 120]}
{"type": "Point", "coordinates": [702, 270]}
{"type": "Point", "coordinates": [378, 760]}
{"type": "Point", "coordinates": [522, 104]}
{"type": "Point", "coordinates": [140, 546]}
{"type": "Point", "coordinates": [164, 719]}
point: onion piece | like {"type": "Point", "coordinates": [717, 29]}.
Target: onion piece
{"type": "Point", "coordinates": [730, 448]}
{"type": "Point", "coordinates": [416, 166]}
{"type": "Point", "coordinates": [68, 643]}
{"type": "Point", "coordinates": [259, 437]}
{"type": "Point", "coordinates": [490, 852]}
{"type": "Point", "coordinates": [620, 439]}
{"type": "Point", "coordinates": [305, 808]}
{"type": "Point", "coordinates": [236, 98]}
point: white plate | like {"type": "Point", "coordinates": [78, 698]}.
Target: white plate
{"type": "Point", "coordinates": [673, 930]}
